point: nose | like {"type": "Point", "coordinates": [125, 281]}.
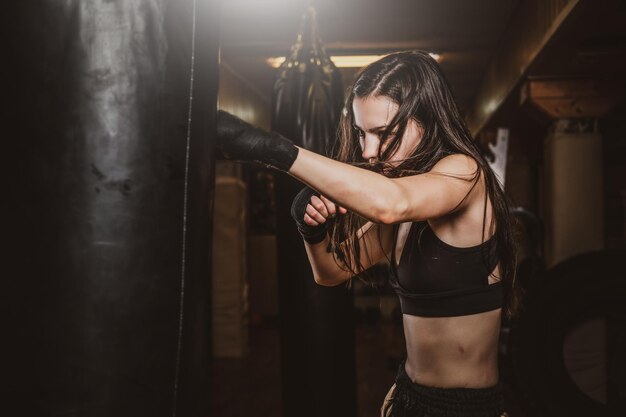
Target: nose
{"type": "Point", "coordinates": [370, 146]}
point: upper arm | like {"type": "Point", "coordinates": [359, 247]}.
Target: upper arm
{"type": "Point", "coordinates": [445, 188]}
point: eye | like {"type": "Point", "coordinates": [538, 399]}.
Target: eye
{"type": "Point", "coordinates": [358, 132]}
{"type": "Point", "coordinates": [389, 137]}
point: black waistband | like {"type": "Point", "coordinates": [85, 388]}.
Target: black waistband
{"type": "Point", "coordinates": [412, 399]}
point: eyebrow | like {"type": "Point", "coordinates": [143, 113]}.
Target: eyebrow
{"type": "Point", "coordinates": [372, 130]}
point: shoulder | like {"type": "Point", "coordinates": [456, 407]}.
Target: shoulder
{"type": "Point", "coordinates": [448, 187]}
{"type": "Point", "coordinates": [457, 164]}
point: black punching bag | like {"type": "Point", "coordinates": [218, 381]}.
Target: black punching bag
{"type": "Point", "coordinates": [316, 322]}
{"type": "Point", "coordinates": [111, 108]}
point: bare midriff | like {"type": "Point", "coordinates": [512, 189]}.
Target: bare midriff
{"type": "Point", "coordinates": [448, 352]}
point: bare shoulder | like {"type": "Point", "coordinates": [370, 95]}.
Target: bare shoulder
{"type": "Point", "coordinates": [456, 164]}
{"type": "Point", "coordinates": [450, 186]}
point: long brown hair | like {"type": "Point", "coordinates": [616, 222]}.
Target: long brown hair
{"type": "Point", "coordinates": [414, 81]}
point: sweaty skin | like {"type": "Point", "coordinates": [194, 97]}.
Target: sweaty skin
{"type": "Point", "coordinates": [441, 351]}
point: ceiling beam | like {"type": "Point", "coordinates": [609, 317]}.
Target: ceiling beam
{"type": "Point", "coordinates": [534, 25]}
{"type": "Point", "coordinates": [563, 98]}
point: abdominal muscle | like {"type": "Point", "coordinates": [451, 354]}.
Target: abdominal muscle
{"type": "Point", "coordinates": [451, 352]}
{"type": "Point", "coordinates": [448, 352]}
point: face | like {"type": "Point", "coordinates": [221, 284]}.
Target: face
{"type": "Point", "coordinates": [372, 114]}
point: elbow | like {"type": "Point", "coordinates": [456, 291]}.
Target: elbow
{"type": "Point", "coordinates": [321, 281]}
{"type": "Point", "coordinates": [386, 217]}
{"type": "Point", "coordinates": [325, 282]}
{"type": "Point", "coordinates": [318, 280]}
{"type": "Point", "coordinates": [391, 209]}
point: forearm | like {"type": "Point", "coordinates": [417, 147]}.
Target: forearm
{"type": "Point", "coordinates": [369, 194]}
{"type": "Point", "coordinates": [325, 269]}
{"type": "Point", "coordinates": [375, 245]}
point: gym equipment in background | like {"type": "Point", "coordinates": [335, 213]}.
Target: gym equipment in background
{"type": "Point", "coordinates": [111, 108]}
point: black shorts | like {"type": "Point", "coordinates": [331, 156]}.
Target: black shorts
{"type": "Point", "coordinates": [409, 399]}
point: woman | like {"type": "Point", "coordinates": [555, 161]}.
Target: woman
{"type": "Point", "coordinates": [428, 203]}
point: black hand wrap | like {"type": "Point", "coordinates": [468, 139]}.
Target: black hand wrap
{"type": "Point", "coordinates": [241, 141]}
{"type": "Point", "coordinates": [311, 234]}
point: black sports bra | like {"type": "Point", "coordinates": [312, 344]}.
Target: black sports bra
{"type": "Point", "coordinates": [435, 279]}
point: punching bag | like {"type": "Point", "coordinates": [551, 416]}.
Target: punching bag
{"type": "Point", "coordinates": [111, 111]}
{"type": "Point", "coordinates": [316, 322]}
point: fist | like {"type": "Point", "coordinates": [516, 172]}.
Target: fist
{"type": "Point", "coordinates": [319, 209]}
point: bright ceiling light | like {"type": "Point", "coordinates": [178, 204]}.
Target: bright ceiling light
{"type": "Point", "coordinates": [436, 57]}
{"type": "Point", "coordinates": [344, 61]}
